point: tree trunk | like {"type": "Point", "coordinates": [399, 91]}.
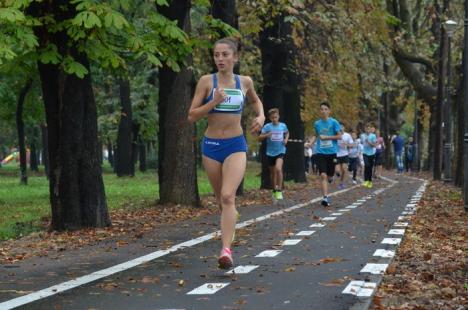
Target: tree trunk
{"type": "Point", "coordinates": [177, 166]}
{"type": "Point", "coordinates": [438, 136]}
{"type": "Point", "coordinates": [33, 158]}
{"type": "Point", "coordinates": [20, 129]}
{"type": "Point", "coordinates": [45, 149]}
{"type": "Point", "coordinates": [142, 155]}
{"type": "Point", "coordinates": [294, 160]}
{"type": "Point", "coordinates": [76, 187]}
{"type": "Point", "coordinates": [124, 165]}
{"type": "Point", "coordinates": [459, 130]}
{"type": "Point", "coordinates": [281, 82]}
{"type": "Point", "coordinates": [110, 153]}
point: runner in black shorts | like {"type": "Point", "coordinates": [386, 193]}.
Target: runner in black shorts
{"type": "Point", "coordinates": [328, 131]}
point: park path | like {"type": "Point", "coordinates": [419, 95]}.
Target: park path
{"type": "Point", "coordinates": [288, 256]}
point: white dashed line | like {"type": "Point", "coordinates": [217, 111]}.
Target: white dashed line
{"type": "Point", "coordinates": [344, 210]}
{"type": "Point", "coordinates": [336, 214]}
{"type": "Point", "coordinates": [291, 241]}
{"type": "Point", "coordinates": [360, 288]}
{"type": "Point", "coordinates": [391, 241]}
{"type": "Point", "coordinates": [374, 268]}
{"type": "Point", "coordinates": [317, 225]}
{"type": "Point", "coordinates": [396, 232]}
{"type": "Point", "coordinates": [384, 253]}
{"type": "Point", "coordinates": [243, 269]}
{"type": "Point", "coordinates": [305, 233]}
{"type": "Point", "coordinates": [208, 289]}
{"type": "Point", "coordinates": [400, 224]}
{"type": "Point", "coordinates": [329, 218]}
{"type": "Point", "coordinates": [269, 253]}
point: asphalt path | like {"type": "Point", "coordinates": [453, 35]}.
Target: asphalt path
{"type": "Point", "coordinates": [303, 256]}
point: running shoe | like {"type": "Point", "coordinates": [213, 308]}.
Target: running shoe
{"type": "Point", "coordinates": [273, 194]}
{"type": "Point", "coordinates": [325, 201]}
{"type": "Point", "coordinates": [225, 259]}
{"type": "Point", "coordinates": [279, 195]}
{"type": "Point", "coordinates": [330, 180]}
{"type": "Point", "coordinates": [369, 184]}
{"type": "Point", "coordinates": [365, 183]}
{"type": "Point", "coordinates": [354, 182]}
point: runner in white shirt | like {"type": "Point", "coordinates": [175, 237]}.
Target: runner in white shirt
{"type": "Point", "coordinates": [342, 156]}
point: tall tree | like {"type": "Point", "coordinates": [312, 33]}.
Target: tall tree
{"type": "Point", "coordinates": [177, 166]}
{"type": "Point", "coordinates": [124, 165]}
{"type": "Point", "coordinates": [20, 128]}
{"type": "Point", "coordinates": [76, 187]}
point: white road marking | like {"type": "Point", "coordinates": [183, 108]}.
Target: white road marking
{"type": "Point", "coordinates": [336, 214]}
{"type": "Point", "coordinates": [396, 232]}
{"type": "Point", "coordinates": [344, 210]}
{"type": "Point", "coordinates": [305, 233]}
{"type": "Point", "coordinates": [243, 269]}
{"type": "Point", "coordinates": [404, 218]}
{"type": "Point", "coordinates": [269, 253]}
{"type": "Point", "coordinates": [391, 241]}
{"type": "Point", "coordinates": [384, 253]}
{"type": "Point", "coordinates": [317, 225]}
{"type": "Point", "coordinates": [374, 268]}
{"type": "Point", "coordinates": [351, 207]}
{"type": "Point", "coordinates": [208, 288]}
{"type": "Point", "coordinates": [360, 288]}
{"type": "Point", "coordinates": [291, 241]}
{"type": "Point", "coordinates": [407, 213]}
{"type": "Point", "coordinates": [329, 218]}
{"type": "Point", "coordinates": [361, 200]}
{"type": "Point", "coordinates": [400, 224]}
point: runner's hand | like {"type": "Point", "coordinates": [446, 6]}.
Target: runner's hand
{"type": "Point", "coordinates": [219, 95]}
{"type": "Point", "coordinates": [257, 124]}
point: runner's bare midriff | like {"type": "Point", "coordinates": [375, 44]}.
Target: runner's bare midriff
{"type": "Point", "coordinates": [223, 126]}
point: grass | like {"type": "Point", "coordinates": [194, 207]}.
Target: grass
{"type": "Point", "coordinates": [23, 208]}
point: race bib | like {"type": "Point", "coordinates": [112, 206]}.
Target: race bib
{"type": "Point", "coordinates": [233, 101]}
{"type": "Point", "coordinates": [277, 136]}
{"type": "Point", "coordinates": [326, 143]}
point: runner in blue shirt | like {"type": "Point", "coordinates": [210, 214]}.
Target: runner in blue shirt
{"type": "Point", "coordinates": [328, 131]}
{"type": "Point", "coordinates": [277, 136]}
{"type": "Point", "coordinates": [369, 141]}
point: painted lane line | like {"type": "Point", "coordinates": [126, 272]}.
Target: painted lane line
{"type": "Point", "coordinates": [336, 214]}
{"type": "Point", "coordinates": [55, 289]}
{"type": "Point", "coordinates": [404, 218]}
{"type": "Point", "coordinates": [396, 232]}
{"type": "Point", "coordinates": [208, 289]}
{"type": "Point", "coordinates": [356, 204]}
{"type": "Point", "coordinates": [400, 224]}
{"type": "Point", "coordinates": [361, 200]}
{"type": "Point", "coordinates": [243, 269]}
{"type": "Point", "coordinates": [360, 288]}
{"type": "Point", "coordinates": [305, 233]}
{"type": "Point", "coordinates": [317, 225]}
{"type": "Point", "coordinates": [374, 268]}
{"type": "Point", "coordinates": [384, 253]}
{"type": "Point", "coordinates": [351, 207]}
{"type": "Point", "coordinates": [344, 210]}
{"type": "Point", "coordinates": [407, 213]}
{"type": "Point", "coordinates": [368, 197]}
{"type": "Point", "coordinates": [391, 241]}
{"type": "Point", "coordinates": [269, 253]}
{"type": "Point", "coordinates": [291, 241]}
{"type": "Point", "coordinates": [329, 218]}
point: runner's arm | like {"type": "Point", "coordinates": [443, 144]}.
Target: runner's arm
{"type": "Point", "coordinates": [259, 120]}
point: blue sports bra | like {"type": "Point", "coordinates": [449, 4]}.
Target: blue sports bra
{"type": "Point", "coordinates": [234, 101]}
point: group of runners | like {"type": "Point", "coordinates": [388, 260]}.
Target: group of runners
{"type": "Point", "coordinates": [220, 97]}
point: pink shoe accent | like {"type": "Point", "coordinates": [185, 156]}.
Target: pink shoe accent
{"type": "Point", "coordinates": [225, 259]}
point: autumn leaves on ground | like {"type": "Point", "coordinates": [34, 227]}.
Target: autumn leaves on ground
{"type": "Point", "coordinates": [429, 271]}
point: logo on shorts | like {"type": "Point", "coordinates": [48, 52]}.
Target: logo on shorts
{"type": "Point", "coordinates": [212, 143]}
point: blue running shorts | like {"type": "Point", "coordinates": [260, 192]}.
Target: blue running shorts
{"type": "Point", "coordinates": [220, 149]}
